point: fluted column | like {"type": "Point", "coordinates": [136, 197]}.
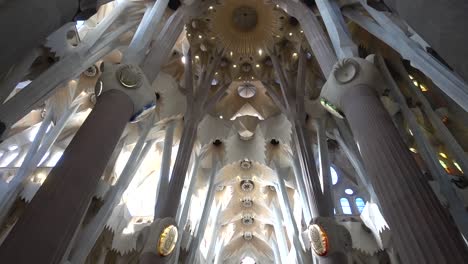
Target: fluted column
{"type": "Point", "coordinates": [279, 232]}
{"type": "Point", "coordinates": [51, 219]}
{"type": "Point", "coordinates": [422, 229]}
{"type": "Point", "coordinates": [165, 163]}
{"type": "Point", "coordinates": [200, 232]}
{"type": "Point", "coordinates": [289, 216]}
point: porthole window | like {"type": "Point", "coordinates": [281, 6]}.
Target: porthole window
{"type": "Point", "coordinates": [360, 204]}
{"type": "Point", "coordinates": [349, 191]}
{"type": "Point", "coordinates": [345, 206]}
{"type": "Point", "coordinates": [334, 175]}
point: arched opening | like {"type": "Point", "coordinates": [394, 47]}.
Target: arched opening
{"type": "Point", "coordinates": [345, 206]}
{"type": "Point", "coordinates": [334, 175]}
{"type": "Point", "coordinates": [360, 204]}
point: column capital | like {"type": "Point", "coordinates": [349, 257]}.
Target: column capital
{"type": "Point", "coordinates": [348, 74]}
{"type": "Point", "coordinates": [130, 79]}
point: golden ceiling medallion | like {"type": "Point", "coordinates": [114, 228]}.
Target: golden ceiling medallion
{"type": "Point", "coordinates": [319, 240]}
{"type": "Point", "coordinates": [245, 26]}
{"type": "Point", "coordinates": [167, 240]}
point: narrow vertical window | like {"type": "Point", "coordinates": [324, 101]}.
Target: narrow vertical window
{"type": "Point", "coordinates": [360, 204]}
{"type": "Point", "coordinates": [334, 175]}
{"type": "Point", "coordinates": [345, 206]}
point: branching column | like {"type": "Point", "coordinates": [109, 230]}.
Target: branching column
{"type": "Point", "coordinates": [422, 229]}
{"type": "Point", "coordinates": [166, 207]}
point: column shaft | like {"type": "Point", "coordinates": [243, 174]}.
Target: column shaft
{"type": "Point", "coordinates": [165, 164]}
{"type": "Point", "coordinates": [422, 230]}
{"type": "Point", "coordinates": [53, 216]}
{"type": "Point", "coordinates": [168, 205]}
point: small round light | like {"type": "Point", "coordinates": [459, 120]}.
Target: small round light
{"type": "Point", "coordinates": [349, 191]}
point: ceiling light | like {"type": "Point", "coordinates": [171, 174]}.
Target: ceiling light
{"type": "Point", "coordinates": [443, 164]}
{"type": "Point", "coordinates": [411, 77]}
{"type": "Point", "coordinates": [413, 150]}
{"type": "Point", "coordinates": [200, 36]}
{"type": "Point", "coordinates": [260, 52]}
{"type": "Point", "coordinates": [231, 53]}
{"type": "Point", "coordinates": [443, 155]}
{"type": "Point", "coordinates": [258, 65]}
{"type": "Point", "coordinates": [234, 66]}
{"type": "Point", "coordinates": [294, 55]}
{"type": "Point", "coordinates": [423, 88]}
{"type": "Point", "coordinates": [415, 83]}
{"type": "Point", "coordinates": [290, 33]}
{"type": "Point", "coordinates": [210, 8]}
{"type": "Point", "coordinates": [458, 166]}
{"type": "Point", "coordinates": [220, 117]}
{"type": "Point", "coordinates": [197, 57]}
{"type": "Point", "coordinates": [189, 34]}
{"type": "Point", "coordinates": [183, 59]}
{"type": "Point", "coordinates": [302, 31]}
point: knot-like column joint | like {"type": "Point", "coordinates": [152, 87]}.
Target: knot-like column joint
{"type": "Point", "coordinates": [348, 74]}
{"type": "Point", "coordinates": [129, 79]}
{"type": "Point", "coordinates": [328, 238]}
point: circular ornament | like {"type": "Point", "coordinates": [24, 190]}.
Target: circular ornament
{"type": "Point", "coordinates": [318, 240]}
{"type": "Point", "coordinates": [129, 76]}
{"type": "Point", "coordinates": [345, 71]}
{"type": "Point", "coordinates": [167, 240]}
{"type": "Point", "coordinates": [247, 185]}
{"type": "Point", "coordinates": [246, 164]}
{"type": "Point", "coordinates": [91, 71]}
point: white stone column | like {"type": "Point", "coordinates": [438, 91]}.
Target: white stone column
{"type": "Point", "coordinates": [324, 162]}
{"type": "Point", "coordinates": [289, 216]}
{"type": "Point", "coordinates": [209, 200]}
{"type": "Point", "coordinates": [163, 182]}
{"type": "Point", "coordinates": [279, 232]}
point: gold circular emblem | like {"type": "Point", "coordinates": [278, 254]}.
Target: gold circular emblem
{"type": "Point", "coordinates": [319, 240]}
{"type": "Point", "coordinates": [167, 240]}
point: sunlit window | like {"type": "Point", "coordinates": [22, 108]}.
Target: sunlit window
{"type": "Point", "coordinates": [334, 175]}
{"type": "Point", "coordinates": [360, 204]}
{"type": "Point", "coordinates": [54, 158]}
{"type": "Point", "coordinates": [10, 156]}
{"type": "Point", "coordinates": [79, 23]}
{"type": "Point", "coordinates": [348, 191]}
{"type": "Point", "coordinates": [345, 206]}
{"type": "Point", "coordinates": [247, 260]}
